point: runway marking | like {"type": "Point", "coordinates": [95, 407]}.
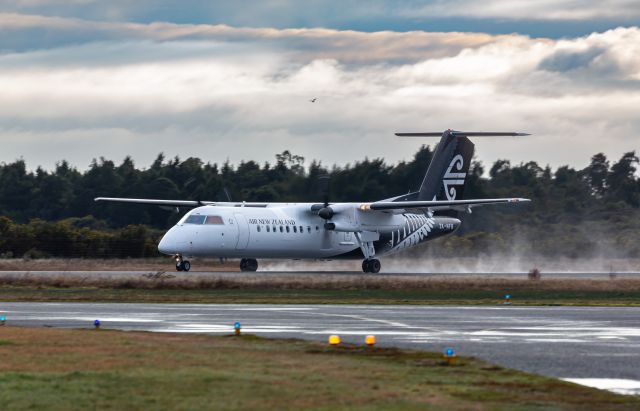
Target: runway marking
{"type": "Point", "coordinates": [621, 386]}
{"type": "Point", "coordinates": [359, 317]}
{"type": "Point", "coordinates": [97, 317]}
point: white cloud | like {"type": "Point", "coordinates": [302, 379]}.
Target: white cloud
{"type": "Point", "coordinates": [243, 94]}
{"type": "Point", "coordinates": [529, 10]}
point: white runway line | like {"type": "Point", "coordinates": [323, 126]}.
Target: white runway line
{"type": "Point", "coordinates": [620, 386]}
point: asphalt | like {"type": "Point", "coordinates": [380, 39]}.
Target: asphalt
{"type": "Point", "coordinates": [310, 274]}
{"type": "Point", "coordinates": [564, 342]}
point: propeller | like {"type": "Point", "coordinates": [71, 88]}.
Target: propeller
{"type": "Point", "coordinates": [326, 212]}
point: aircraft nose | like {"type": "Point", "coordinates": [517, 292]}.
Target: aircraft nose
{"type": "Point", "coordinates": [167, 244]}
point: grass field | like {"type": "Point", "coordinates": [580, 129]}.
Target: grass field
{"type": "Point", "coordinates": [56, 369]}
{"type": "Point", "coordinates": [325, 289]}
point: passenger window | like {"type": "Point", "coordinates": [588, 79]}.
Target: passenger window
{"type": "Point", "coordinates": [214, 220]}
{"type": "Point", "coordinates": [258, 227]}
{"type": "Point", "coordinates": [195, 219]}
{"type": "Point", "coordinates": [295, 229]}
{"type": "Point", "coordinates": [281, 229]}
{"type": "Point", "coordinates": [268, 228]}
{"type": "Point", "coordinates": [287, 229]}
{"type": "Point", "coordinates": [301, 229]}
{"type": "Point", "coordinates": [309, 229]}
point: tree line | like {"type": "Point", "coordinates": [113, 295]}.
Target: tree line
{"type": "Point", "coordinates": [574, 212]}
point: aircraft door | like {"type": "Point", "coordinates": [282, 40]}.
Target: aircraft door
{"type": "Point", "coordinates": [243, 232]}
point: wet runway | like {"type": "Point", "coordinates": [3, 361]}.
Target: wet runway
{"type": "Point", "coordinates": [564, 342]}
{"type": "Point", "coordinates": [237, 274]}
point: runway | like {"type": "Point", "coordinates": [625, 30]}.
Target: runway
{"type": "Point", "coordinates": [566, 342]}
{"type": "Point", "coordinates": [310, 274]}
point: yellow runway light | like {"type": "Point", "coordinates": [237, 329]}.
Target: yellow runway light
{"type": "Point", "coordinates": [334, 340]}
{"type": "Point", "coordinates": [370, 340]}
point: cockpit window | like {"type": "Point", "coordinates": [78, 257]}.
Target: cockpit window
{"type": "Point", "coordinates": [195, 219]}
{"type": "Point", "coordinates": [214, 220]}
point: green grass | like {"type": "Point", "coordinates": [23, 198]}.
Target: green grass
{"type": "Point", "coordinates": [465, 294]}
{"type": "Point", "coordinates": [57, 369]}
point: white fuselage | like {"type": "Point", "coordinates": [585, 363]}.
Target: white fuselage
{"type": "Point", "coordinates": [291, 231]}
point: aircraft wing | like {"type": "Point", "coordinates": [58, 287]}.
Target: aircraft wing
{"type": "Point", "coordinates": [458, 205]}
{"type": "Point", "coordinates": [165, 203]}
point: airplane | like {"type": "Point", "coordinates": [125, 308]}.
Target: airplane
{"type": "Point", "coordinates": [327, 230]}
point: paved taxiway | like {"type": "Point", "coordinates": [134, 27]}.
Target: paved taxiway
{"type": "Point", "coordinates": [565, 342]}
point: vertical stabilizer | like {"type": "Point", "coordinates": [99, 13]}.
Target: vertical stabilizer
{"type": "Point", "coordinates": [447, 172]}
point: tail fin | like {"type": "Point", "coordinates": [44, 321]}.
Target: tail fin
{"type": "Point", "coordinates": [445, 177]}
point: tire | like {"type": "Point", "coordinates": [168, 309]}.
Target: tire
{"type": "Point", "coordinates": [366, 266]}
{"type": "Point", "coordinates": [243, 265]}
{"type": "Point", "coordinates": [374, 266]}
{"type": "Point", "coordinates": [186, 266]}
{"type": "Point", "coordinates": [179, 267]}
{"type": "Point", "coordinates": [252, 264]}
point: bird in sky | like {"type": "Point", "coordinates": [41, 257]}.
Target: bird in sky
{"type": "Point", "coordinates": [313, 100]}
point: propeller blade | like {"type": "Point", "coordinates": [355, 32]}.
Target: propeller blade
{"type": "Point", "coordinates": [323, 185]}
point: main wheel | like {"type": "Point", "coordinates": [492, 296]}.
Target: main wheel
{"type": "Point", "coordinates": [374, 266]}
{"type": "Point", "coordinates": [186, 266]}
{"type": "Point", "coordinates": [243, 264]}
{"type": "Point", "coordinates": [252, 264]}
{"type": "Point", "coordinates": [179, 267]}
{"type": "Point", "coordinates": [366, 266]}
{"type": "Point", "coordinates": [371, 266]}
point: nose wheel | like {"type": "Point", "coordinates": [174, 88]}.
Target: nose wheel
{"type": "Point", "coordinates": [182, 265]}
{"type": "Point", "coordinates": [248, 264]}
{"type": "Point", "coordinates": [371, 265]}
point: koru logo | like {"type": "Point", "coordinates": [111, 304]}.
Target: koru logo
{"type": "Point", "coordinates": [452, 179]}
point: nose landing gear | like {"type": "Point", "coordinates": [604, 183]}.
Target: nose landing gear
{"type": "Point", "coordinates": [371, 266]}
{"type": "Point", "coordinates": [248, 264]}
{"type": "Point", "coordinates": [182, 265]}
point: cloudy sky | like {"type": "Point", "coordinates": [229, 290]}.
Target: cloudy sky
{"type": "Point", "coordinates": [80, 79]}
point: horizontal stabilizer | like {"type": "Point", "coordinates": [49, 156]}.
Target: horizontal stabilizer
{"type": "Point", "coordinates": [465, 134]}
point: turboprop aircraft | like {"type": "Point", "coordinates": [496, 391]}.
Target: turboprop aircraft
{"type": "Point", "coordinates": [327, 230]}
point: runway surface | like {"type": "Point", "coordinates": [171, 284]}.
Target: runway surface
{"type": "Point", "coordinates": [237, 274]}
{"type": "Point", "coordinates": [565, 342]}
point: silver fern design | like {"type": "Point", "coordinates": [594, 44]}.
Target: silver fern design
{"type": "Point", "coordinates": [452, 179]}
{"type": "Point", "coordinates": [415, 230]}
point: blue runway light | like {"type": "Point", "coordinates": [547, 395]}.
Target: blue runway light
{"type": "Point", "coordinates": [96, 323]}
{"type": "Point", "coordinates": [508, 296]}
{"type": "Point", "coordinates": [236, 325]}
{"type": "Point", "coordinates": [449, 356]}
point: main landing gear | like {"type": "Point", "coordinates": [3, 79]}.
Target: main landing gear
{"type": "Point", "coordinates": [182, 265]}
{"type": "Point", "coordinates": [371, 266]}
{"type": "Point", "coordinates": [248, 264]}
